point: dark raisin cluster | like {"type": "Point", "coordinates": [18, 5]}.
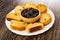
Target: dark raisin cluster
{"type": "Point", "coordinates": [29, 13]}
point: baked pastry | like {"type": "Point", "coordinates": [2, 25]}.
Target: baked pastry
{"type": "Point", "coordinates": [29, 5]}
{"type": "Point", "coordinates": [34, 27]}
{"type": "Point", "coordinates": [18, 9]}
{"type": "Point", "coordinates": [12, 16]}
{"type": "Point", "coordinates": [42, 8]}
{"type": "Point", "coordinates": [17, 25]}
{"type": "Point", "coordinates": [45, 18]}
{"type": "Point", "coordinates": [30, 15]}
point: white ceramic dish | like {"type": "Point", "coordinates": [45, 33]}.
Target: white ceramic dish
{"type": "Point", "coordinates": [47, 27]}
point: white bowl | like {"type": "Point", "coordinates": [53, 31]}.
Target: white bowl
{"type": "Point", "coordinates": [47, 27]}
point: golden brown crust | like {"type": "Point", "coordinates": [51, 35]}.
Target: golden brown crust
{"type": "Point", "coordinates": [28, 5]}
{"type": "Point", "coordinates": [12, 16]}
{"type": "Point", "coordinates": [42, 8]}
{"type": "Point", "coordinates": [45, 18]}
{"type": "Point", "coordinates": [18, 9]}
{"type": "Point", "coordinates": [17, 25]}
{"type": "Point", "coordinates": [35, 26]}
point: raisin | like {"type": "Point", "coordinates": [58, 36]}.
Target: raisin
{"type": "Point", "coordinates": [29, 13]}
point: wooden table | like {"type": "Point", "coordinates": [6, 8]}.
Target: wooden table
{"type": "Point", "coordinates": [5, 34]}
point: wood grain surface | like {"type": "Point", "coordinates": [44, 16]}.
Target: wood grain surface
{"type": "Point", "coordinates": [5, 34]}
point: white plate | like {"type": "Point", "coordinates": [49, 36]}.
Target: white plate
{"type": "Point", "coordinates": [34, 33]}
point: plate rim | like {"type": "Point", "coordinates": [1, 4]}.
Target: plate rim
{"type": "Point", "coordinates": [33, 34]}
